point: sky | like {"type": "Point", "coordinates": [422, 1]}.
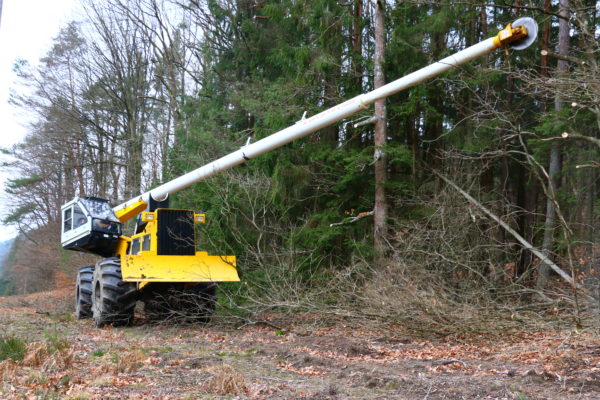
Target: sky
{"type": "Point", "coordinates": [27, 29]}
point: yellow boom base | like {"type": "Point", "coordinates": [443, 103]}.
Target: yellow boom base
{"type": "Point", "coordinates": [198, 268]}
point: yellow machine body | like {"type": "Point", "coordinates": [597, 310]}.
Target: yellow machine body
{"type": "Point", "coordinates": [198, 268]}
{"type": "Point", "coordinates": [142, 262]}
{"type": "Point", "coordinates": [130, 211]}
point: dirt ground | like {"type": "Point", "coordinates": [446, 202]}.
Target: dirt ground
{"type": "Point", "coordinates": [70, 359]}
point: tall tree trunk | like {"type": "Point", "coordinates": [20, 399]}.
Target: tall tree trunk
{"type": "Point", "coordinates": [79, 168]}
{"type": "Point", "coordinates": [380, 212]}
{"type": "Point", "coordinates": [356, 27]}
{"type": "Point", "coordinates": [556, 149]}
{"type": "Point", "coordinates": [545, 41]}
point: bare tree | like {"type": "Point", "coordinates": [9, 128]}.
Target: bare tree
{"type": "Point", "coordinates": [124, 75]}
{"type": "Point", "coordinates": [171, 34]}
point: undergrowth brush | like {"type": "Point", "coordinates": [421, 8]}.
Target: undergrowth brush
{"type": "Point", "coordinates": [447, 271]}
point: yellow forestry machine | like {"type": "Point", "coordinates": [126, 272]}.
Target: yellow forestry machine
{"type": "Point", "coordinates": [159, 263]}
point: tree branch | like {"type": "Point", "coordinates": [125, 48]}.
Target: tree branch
{"type": "Point", "coordinates": [564, 136]}
{"type": "Point", "coordinates": [353, 219]}
{"type": "Point", "coordinates": [561, 57]}
{"type": "Point", "coordinates": [510, 230]}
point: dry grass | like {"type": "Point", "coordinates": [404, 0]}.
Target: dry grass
{"type": "Point", "coordinates": [225, 381]}
{"type": "Point", "coordinates": [47, 357]}
{"type": "Point", "coordinates": [7, 369]}
{"type": "Point", "coordinates": [36, 354]}
{"type": "Point", "coordinates": [126, 362]}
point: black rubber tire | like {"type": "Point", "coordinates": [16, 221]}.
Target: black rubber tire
{"type": "Point", "coordinates": [160, 301]}
{"type": "Point", "coordinates": [171, 302]}
{"type": "Point", "coordinates": [113, 300]}
{"type": "Point", "coordinates": [83, 292]}
{"type": "Point", "coordinates": [200, 302]}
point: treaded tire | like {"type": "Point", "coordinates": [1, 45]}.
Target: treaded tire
{"type": "Point", "coordinates": [171, 302]}
{"type": "Point", "coordinates": [83, 292]}
{"type": "Point", "coordinates": [200, 301]}
{"type": "Point", "coordinates": [160, 301]}
{"type": "Point", "coordinates": [113, 299]}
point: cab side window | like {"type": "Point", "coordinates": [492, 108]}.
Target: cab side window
{"type": "Point", "coordinates": [67, 220]}
{"type": "Point", "coordinates": [79, 217]}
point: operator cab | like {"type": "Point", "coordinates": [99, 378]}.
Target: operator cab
{"type": "Point", "coordinates": [89, 224]}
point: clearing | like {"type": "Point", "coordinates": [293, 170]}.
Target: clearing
{"type": "Point", "coordinates": [313, 357]}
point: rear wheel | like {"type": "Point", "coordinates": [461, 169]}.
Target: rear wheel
{"type": "Point", "coordinates": [83, 292]}
{"type": "Point", "coordinates": [113, 299]}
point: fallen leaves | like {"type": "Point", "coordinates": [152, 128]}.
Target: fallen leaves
{"type": "Point", "coordinates": [307, 370]}
{"type": "Point", "coordinates": [154, 361]}
{"type": "Point", "coordinates": [161, 362]}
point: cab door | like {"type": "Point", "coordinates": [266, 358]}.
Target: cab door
{"type": "Point", "coordinates": [75, 223]}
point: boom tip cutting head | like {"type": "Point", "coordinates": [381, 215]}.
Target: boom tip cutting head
{"type": "Point", "coordinates": [532, 30]}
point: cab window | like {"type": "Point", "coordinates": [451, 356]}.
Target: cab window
{"type": "Point", "coordinates": [67, 220]}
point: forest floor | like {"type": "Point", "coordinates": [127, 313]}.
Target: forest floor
{"type": "Point", "coordinates": [71, 359]}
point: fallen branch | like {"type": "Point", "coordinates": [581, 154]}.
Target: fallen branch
{"type": "Point", "coordinates": [510, 230]}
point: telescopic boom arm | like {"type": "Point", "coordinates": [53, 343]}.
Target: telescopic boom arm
{"type": "Point", "coordinates": [518, 35]}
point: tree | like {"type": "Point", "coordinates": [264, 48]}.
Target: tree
{"type": "Point", "coordinates": [380, 136]}
{"type": "Point", "coordinates": [556, 149]}
{"type": "Point", "coordinates": [50, 161]}
{"type": "Point", "coordinates": [144, 90]}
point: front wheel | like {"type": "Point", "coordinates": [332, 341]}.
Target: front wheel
{"type": "Point", "coordinates": [113, 299]}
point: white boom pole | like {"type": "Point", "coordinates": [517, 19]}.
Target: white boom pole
{"type": "Point", "coordinates": [328, 117]}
